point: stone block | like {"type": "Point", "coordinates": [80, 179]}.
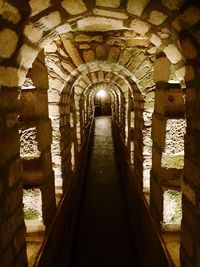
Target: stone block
{"type": "Point", "coordinates": [162, 69]}
{"type": "Point", "coordinates": [158, 131]}
{"type": "Point", "coordinates": [169, 101]}
{"type": "Point", "coordinates": [189, 17]}
{"type": "Point", "coordinates": [100, 24]}
{"type": "Point", "coordinates": [10, 12]}
{"type": "Point", "coordinates": [37, 6]}
{"type": "Point", "coordinates": [88, 55]}
{"type": "Point", "coordinates": [185, 73]}
{"type": "Point", "coordinates": [156, 17]}
{"type": "Point", "coordinates": [32, 178]}
{"type": "Point", "coordinates": [155, 40]}
{"type": "Point", "coordinates": [33, 33]}
{"type": "Point", "coordinates": [44, 134]}
{"type": "Point", "coordinates": [137, 7]}
{"type": "Point", "coordinates": [172, 4]}
{"type": "Point", "coordinates": [8, 42]}
{"type": "Point", "coordinates": [188, 48]}
{"type": "Point", "coordinates": [139, 26]}
{"type": "Point", "coordinates": [27, 55]}
{"type": "Point", "coordinates": [50, 21]}
{"type": "Point", "coordinates": [108, 3]}
{"type": "Point", "coordinates": [74, 7]}
{"type": "Point", "coordinates": [113, 54]}
{"type": "Point", "coordinates": [100, 52]}
{"type": "Point", "coordinates": [88, 38]}
{"type": "Point", "coordinates": [72, 51]}
{"type": "Point", "coordinates": [173, 53]}
{"type": "Point", "coordinates": [110, 14]}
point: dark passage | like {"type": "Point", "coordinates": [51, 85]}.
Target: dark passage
{"type": "Point", "coordinates": [103, 237]}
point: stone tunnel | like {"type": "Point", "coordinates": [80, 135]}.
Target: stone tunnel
{"type": "Point", "coordinates": [64, 62]}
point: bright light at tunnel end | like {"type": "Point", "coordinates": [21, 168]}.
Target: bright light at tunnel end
{"type": "Point", "coordinates": [101, 93]}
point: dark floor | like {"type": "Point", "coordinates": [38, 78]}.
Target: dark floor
{"type": "Point", "coordinates": [103, 237]}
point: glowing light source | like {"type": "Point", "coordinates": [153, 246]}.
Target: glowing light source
{"type": "Point", "coordinates": [101, 93]}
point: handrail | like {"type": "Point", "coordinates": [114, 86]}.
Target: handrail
{"type": "Point", "coordinates": [151, 240]}
{"type": "Point", "coordinates": [64, 211]}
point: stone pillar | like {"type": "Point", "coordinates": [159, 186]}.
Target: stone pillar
{"type": "Point", "coordinates": [190, 239]}
{"type": "Point", "coordinates": [34, 118]}
{"type": "Point", "coordinates": [12, 228]}
{"type": "Point", "coordinates": [167, 156]}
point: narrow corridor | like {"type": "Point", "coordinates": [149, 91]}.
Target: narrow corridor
{"type": "Point", "coordinates": [103, 236]}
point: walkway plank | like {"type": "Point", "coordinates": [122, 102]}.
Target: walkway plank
{"type": "Point", "coordinates": [103, 236]}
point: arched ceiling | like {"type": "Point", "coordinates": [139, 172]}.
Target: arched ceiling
{"type": "Point", "coordinates": [118, 36]}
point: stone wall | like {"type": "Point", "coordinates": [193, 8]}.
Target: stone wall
{"type": "Point", "coordinates": [121, 44]}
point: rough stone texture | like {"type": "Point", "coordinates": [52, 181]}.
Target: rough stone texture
{"type": "Point", "coordinates": [162, 69]}
{"type": "Point", "coordinates": [26, 56]}
{"type": "Point", "coordinates": [99, 24]}
{"type": "Point", "coordinates": [9, 12]}
{"type": "Point", "coordinates": [188, 49]}
{"type": "Point", "coordinates": [137, 7]}
{"type": "Point", "coordinates": [101, 52]}
{"type": "Point", "coordinates": [72, 51]}
{"type": "Point", "coordinates": [157, 17]}
{"type": "Point", "coordinates": [173, 53]}
{"type": "Point", "coordinates": [67, 66]}
{"type": "Point", "coordinates": [185, 73]}
{"type": "Point", "coordinates": [29, 145]}
{"type": "Point", "coordinates": [165, 33]}
{"type": "Point", "coordinates": [113, 54]}
{"type": "Point", "coordinates": [172, 4]}
{"type": "Point", "coordinates": [111, 14]}
{"type": "Point", "coordinates": [172, 210]}
{"type": "Point", "coordinates": [9, 76]}
{"type": "Point", "coordinates": [108, 3]}
{"type": "Point", "coordinates": [154, 39]}
{"type": "Point", "coordinates": [37, 6]}
{"type": "Point", "coordinates": [188, 18]}
{"type": "Point", "coordinates": [34, 34]}
{"type": "Point", "coordinates": [50, 21]}
{"type": "Point", "coordinates": [84, 46]}
{"type": "Point", "coordinates": [174, 140]}
{"type": "Point", "coordinates": [8, 42]}
{"type": "Point", "coordinates": [88, 38]}
{"type": "Point", "coordinates": [32, 200]}
{"type": "Point", "coordinates": [139, 26]}
{"type": "Point", "coordinates": [66, 27]}
{"type": "Point", "coordinates": [74, 7]}
{"type": "Point", "coordinates": [137, 42]}
{"type": "Point", "coordinates": [88, 55]}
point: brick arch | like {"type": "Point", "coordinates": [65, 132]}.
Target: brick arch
{"type": "Point", "coordinates": [17, 57]}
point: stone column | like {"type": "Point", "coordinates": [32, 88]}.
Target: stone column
{"type": "Point", "coordinates": [12, 227]}
{"type": "Point", "coordinates": [168, 127]}
{"type": "Point", "coordinates": [190, 229]}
